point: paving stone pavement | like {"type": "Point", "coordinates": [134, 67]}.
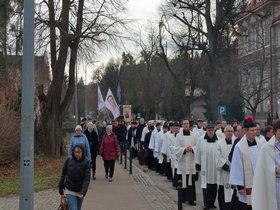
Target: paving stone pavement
{"type": "Point", "coordinates": [142, 190]}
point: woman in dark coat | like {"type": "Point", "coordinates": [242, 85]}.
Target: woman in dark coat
{"type": "Point", "coordinates": [75, 178]}
{"type": "Point", "coordinates": [109, 150]}
{"type": "Point", "coordinates": [92, 136]}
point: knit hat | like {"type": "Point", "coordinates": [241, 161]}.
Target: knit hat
{"type": "Point", "coordinates": [78, 127]}
{"type": "Point", "coordinates": [90, 124]}
{"type": "Point", "coordinates": [109, 127]}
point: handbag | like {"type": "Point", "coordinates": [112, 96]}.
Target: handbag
{"type": "Point", "coordinates": [63, 203]}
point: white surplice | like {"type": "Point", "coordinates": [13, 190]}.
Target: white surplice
{"type": "Point", "coordinates": [237, 174]}
{"type": "Point", "coordinates": [152, 143]}
{"type": "Point", "coordinates": [161, 137]}
{"type": "Point", "coordinates": [186, 160]}
{"type": "Point", "coordinates": [223, 150]}
{"type": "Point", "coordinates": [266, 186]}
{"type": "Point", "coordinates": [206, 157]}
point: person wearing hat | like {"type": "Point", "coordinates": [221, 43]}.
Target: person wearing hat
{"type": "Point", "coordinates": [243, 164]}
{"type": "Point", "coordinates": [79, 138]}
{"type": "Point", "coordinates": [206, 157]}
{"type": "Point", "coordinates": [109, 150]}
{"type": "Point", "coordinates": [131, 138]}
{"type": "Point", "coordinates": [92, 137]}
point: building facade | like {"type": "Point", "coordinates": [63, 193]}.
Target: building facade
{"type": "Point", "coordinates": [259, 57]}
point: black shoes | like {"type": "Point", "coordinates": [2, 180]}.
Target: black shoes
{"type": "Point", "coordinates": [192, 203]}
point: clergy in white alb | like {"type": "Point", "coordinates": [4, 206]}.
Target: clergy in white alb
{"type": "Point", "coordinates": [185, 154]}
{"type": "Point", "coordinates": [243, 164]}
{"type": "Point", "coordinates": [152, 145]}
{"type": "Point", "coordinates": [223, 165]}
{"type": "Point", "coordinates": [266, 184]}
{"type": "Point", "coordinates": [205, 159]}
{"type": "Point", "coordinates": [161, 137]}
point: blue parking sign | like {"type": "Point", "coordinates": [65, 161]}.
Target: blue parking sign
{"type": "Point", "coordinates": [222, 110]}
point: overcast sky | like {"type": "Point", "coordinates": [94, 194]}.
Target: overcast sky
{"type": "Point", "coordinates": [142, 11]}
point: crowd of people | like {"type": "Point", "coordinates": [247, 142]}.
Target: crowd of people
{"type": "Point", "coordinates": [235, 163]}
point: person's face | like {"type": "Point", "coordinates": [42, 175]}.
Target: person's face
{"type": "Point", "coordinates": [218, 126]}
{"type": "Point", "coordinates": [210, 132]}
{"type": "Point", "coordinates": [142, 121]}
{"type": "Point", "coordinates": [111, 101]}
{"type": "Point", "coordinates": [78, 131]}
{"type": "Point", "coordinates": [224, 124]}
{"type": "Point", "coordinates": [78, 153]}
{"type": "Point", "coordinates": [176, 129]}
{"type": "Point", "coordinates": [108, 131]}
{"type": "Point", "coordinates": [205, 124]}
{"type": "Point", "coordinates": [104, 124]}
{"type": "Point", "coordinates": [186, 125]}
{"type": "Point", "coordinates": [277, 134]}
{"type": "Point", "coordinates": [251, 133]}
{"type": "Point", "coordinates": [199, 124]}
{"type": "Point", "coordinates": [258, 130]}
{"type": "Point", "coordinates": [239, 132]}
{"type": "Point", "coordinates": [270, 133]}
{"type": "Point", "coordinates": [228, 133]}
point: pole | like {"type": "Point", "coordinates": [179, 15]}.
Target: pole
{"type": "Point", "coordinates": [26, 201]}
{"type": "Point", "coordinates": [130, 161]}
{"type": "Point", "coordinates": [125, 156]}
{"type": "Point", "coordinates": [76, 97]}
{"type": "Point", "coordinates": [180, 195]}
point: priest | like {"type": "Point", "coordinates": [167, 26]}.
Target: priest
{"type": "Point", "coordinates": [243, 164]}
{"type": "Point", "coordinates": [266, 184]}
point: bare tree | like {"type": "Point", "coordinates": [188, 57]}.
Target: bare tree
{"type": "Point", "coordinates": [208, 24]}
{"type": "Point", "coordinates": [254, 67]}
{"type": "Point", "coordinates": [69, 27]}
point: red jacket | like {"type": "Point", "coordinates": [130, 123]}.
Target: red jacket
{"type": "Point", "coordinates": [109, 148]}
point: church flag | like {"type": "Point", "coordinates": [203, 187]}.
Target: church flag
{"type": "Point", "coordinates": [111, 104]}
{"type": "Point", "coordinates": [101, 103]}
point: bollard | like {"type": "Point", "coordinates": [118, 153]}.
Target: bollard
{"type": "Point", "coordinates": [125, 156]}
{"type": "Point", "coordinates": [180, 195]}
{"type": "Point", "coordinates": [130, 161]}
{"type": "Point", "coordinates": [121, 145]}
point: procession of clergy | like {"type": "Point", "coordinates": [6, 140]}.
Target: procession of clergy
{"type": "Point", "coordinates": [233, 162]}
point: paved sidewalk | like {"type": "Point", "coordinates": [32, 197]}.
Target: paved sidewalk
{"type": "Point", "coordinates": [120, 194]}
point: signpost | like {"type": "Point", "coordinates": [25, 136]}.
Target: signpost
{"type": "Point", "coordinates": [26, 201]}
{"type": "Point", "coordinates": [222, 110]}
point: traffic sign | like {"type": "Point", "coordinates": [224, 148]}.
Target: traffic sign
{"type": "Point", "coordinates": [222, 110]}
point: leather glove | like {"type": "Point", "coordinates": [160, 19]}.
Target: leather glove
{"type": "Point", "coordinates": [61, 191]}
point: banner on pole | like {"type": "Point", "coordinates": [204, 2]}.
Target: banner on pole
{"type": "Point", "coordinates": [111, 104]}
{"type": "Point", "coordinates": [127, 113]}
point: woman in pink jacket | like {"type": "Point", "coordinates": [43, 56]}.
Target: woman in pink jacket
{"type": "Point", "coordinates": [109, 150]}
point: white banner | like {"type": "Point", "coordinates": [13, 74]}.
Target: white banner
{"type": "Point", "coordinates": [111, 104]}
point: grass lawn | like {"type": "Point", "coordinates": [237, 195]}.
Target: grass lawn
{"type": "Point", "coordinates": [47, 174]}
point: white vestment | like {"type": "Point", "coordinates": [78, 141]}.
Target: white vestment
{"type": "Point", "coordinates": [223, 150]}
{"type": "Point", "coordinates": [186, 161]}
{"type": "Point", "coordinates": [237, 172]}
{"type": "Point", "coordinates": [261, 138]}
{"type": "Point", "coordinates": [220, 133]}
{"type": "Point", "coordinates": [161, 137]}
{"type": "Point", "coordinates": [144, 132]}
{"type": "Point", "coordinates": [152, 143]}
{"type": "Point", "coordinates": [206, 153]}
{"type": "Point", "coordinates": [266, 186]}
